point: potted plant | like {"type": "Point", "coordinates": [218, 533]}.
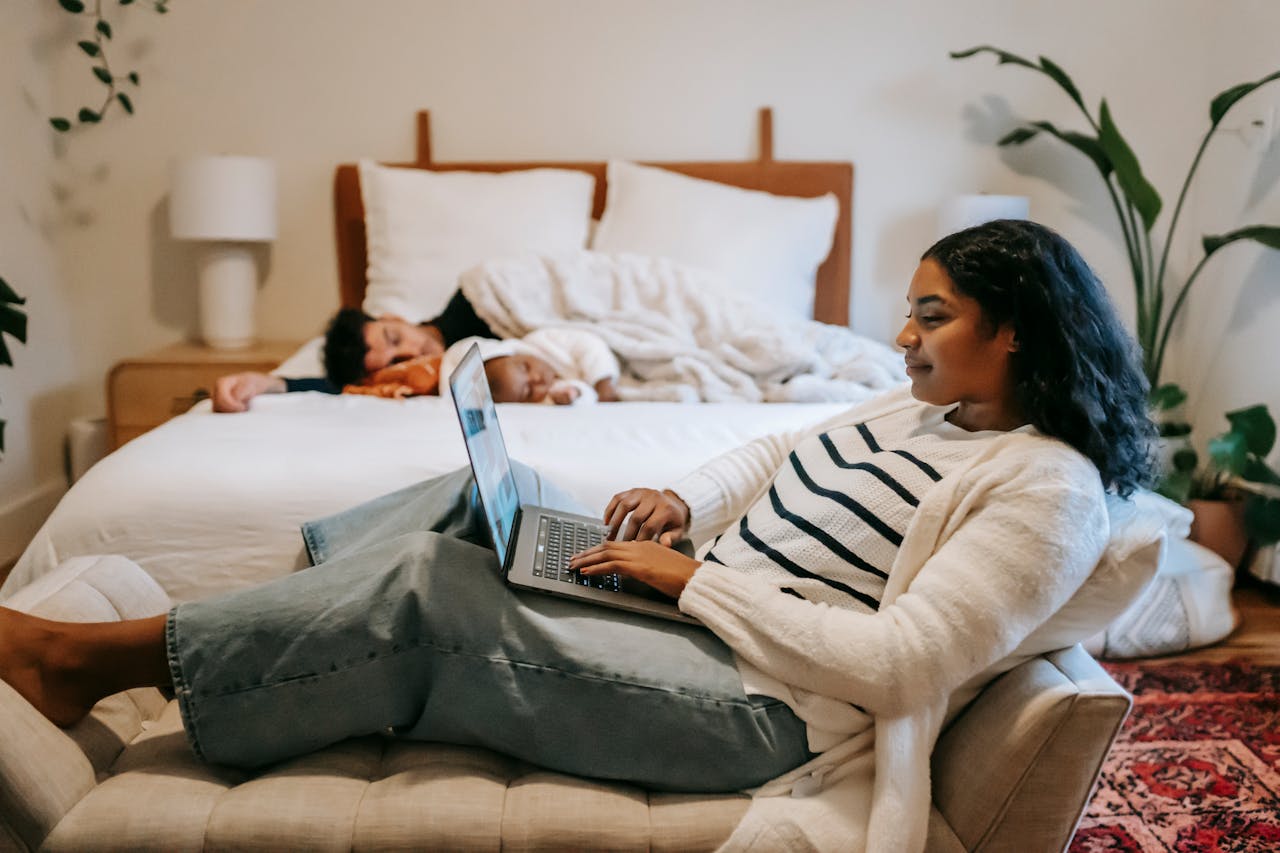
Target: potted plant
{"type": "Point", "coordinates": [1236, 468]}
{"type": "Point", "coordinates": [1235, 497]}
{"type": "Point", "coordinates": [12, 322]}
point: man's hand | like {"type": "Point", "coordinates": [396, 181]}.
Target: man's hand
{"type": "Point", "coordinates": [654, 515]}
{"type": "Point", "coordinates": [233, 393]}
{"type": "Point", "coordinates": [662, 568]}
{"type": "Point", "coordinates": [606, 392]}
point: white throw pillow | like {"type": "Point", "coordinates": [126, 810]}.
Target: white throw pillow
{"type": "Point", "coordinates": [424, 228]}
{"type": "Point", "coordinates": [768, 247]}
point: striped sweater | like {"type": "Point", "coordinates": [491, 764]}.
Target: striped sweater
{"type": "Point", "coordinates": [832, 519]}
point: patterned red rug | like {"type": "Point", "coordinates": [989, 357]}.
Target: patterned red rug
{"type": "Point", "coordinates": [1196, 766]}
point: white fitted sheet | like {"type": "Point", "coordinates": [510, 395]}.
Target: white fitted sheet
{"type": "Point", "coordinates": [211, 502]}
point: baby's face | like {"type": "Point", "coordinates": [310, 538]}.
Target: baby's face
{"type": "Point", "coordinates": [519, 378]}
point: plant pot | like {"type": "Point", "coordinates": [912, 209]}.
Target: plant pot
{"type": "Point", "coordinates": [1219, 526]}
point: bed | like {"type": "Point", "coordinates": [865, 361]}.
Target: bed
{"type": "Point", "coordinates": [207, 503]}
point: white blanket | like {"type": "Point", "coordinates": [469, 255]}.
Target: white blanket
{"type": "Point", "coordinates": [681, 334]}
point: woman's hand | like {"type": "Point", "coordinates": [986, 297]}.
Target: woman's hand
{"type": "Point", "coordinates": [654, 515]}
{"type": "Point", "coordinates": [657, 565]}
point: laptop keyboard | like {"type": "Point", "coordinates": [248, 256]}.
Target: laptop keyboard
{"type": "Point", "coordinates": [558, 540]}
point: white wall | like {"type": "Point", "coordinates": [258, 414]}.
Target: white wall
{"type": "Point", "coordinates": [37, 393]}
{"type": "Point", "coordinates": [315, 82]}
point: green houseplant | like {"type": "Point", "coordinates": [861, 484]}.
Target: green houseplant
{"type": "Point", "coordinates": [1236, 457]}
{"type": "Point", "coordinates": [12, 322]}
{"type": "Point", "coordinates": [1138, 205]}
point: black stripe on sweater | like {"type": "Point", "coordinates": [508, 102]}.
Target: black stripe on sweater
{"type": "Point", "coordinates": [798, 570]}
{"type": "Point", "coordinates": [923, 466]}
{"type": "Point", "coordinates": [822, 536]}
{"type": "Point", "coordinates": [847, 502]}
{"type": "Point", "coordinates": [874, 470]}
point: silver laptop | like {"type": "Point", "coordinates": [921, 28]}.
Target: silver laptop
{"type": "Point", "coordinates": [534, 544]}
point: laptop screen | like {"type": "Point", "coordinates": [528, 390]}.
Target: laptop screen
{"type": "Point", "coordinates": [489, 461]}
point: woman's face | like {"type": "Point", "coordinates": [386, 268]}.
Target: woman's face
{"type": "Point", "coordinates": [953, 354]}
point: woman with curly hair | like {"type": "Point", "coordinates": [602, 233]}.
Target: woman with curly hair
{"type": "Point", "coordinates": [858, 583]}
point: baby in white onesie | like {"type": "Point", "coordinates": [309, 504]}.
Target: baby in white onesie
{"type": "Point", "coordinates": [561, 366]}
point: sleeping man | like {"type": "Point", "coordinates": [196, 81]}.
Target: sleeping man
{"type": "Point", "coordinates": [357, 345]}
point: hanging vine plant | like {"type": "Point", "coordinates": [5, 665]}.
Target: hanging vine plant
{"type": "Point", "coordinates": [13, 322]}
{"type": "Point", "coordinates": [95, 49]}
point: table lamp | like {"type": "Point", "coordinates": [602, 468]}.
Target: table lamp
{"type": "Point", "coordinates": [965, 211]}
{"type": "Point", "coordinates": [227, 203]}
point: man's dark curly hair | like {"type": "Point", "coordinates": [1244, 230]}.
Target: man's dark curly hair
{"type": "Point", "coordinates": [345, 347]}
{"type": "Point", "coordinates": [1077, 370]}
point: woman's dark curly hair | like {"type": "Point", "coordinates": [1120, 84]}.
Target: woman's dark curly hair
{"type": "Point", "coordinates": [1076, 370]}
{"type": "Point", "coordinates": [345, 347]}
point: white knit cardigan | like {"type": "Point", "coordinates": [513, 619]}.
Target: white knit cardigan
{"type": "Point", "coordinates": [994, 550]}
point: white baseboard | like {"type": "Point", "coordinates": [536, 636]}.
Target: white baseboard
{"type": "Point", "coordinates": [20, 519]}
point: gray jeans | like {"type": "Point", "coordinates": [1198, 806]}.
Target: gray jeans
{"type": "Point", "coordinates": [405, 628]}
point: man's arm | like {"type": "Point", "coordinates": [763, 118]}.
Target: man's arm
{"type": "Point", "coordinates": [232, 393]}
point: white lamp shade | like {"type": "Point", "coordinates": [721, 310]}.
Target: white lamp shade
{"type": "Point", "coordinates": [223, 198]}
{"type": "Point", "coordinates": [965, 211]}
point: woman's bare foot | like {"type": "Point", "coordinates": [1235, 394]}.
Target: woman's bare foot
{"type": "Point", "coordinates": [38, 661]}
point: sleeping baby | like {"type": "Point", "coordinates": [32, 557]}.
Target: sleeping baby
{"type": "Point", "coordinates": [558, 365]}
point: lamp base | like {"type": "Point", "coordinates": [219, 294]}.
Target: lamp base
{"type": "Point", "coordinates": [228, 288]}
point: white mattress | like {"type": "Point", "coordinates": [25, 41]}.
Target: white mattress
{"type": "Point", "coordinates": [211, 502]}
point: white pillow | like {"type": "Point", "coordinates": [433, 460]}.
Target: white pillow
{"type": "Point", "coordinates": [768, 247]}
{"type": "Point", "coordinates": [424, 228]}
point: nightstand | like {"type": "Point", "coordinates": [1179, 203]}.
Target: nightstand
{"type": "Point", "coordinates": [146, 391]}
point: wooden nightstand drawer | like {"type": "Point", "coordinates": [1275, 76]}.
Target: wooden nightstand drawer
{"type": "Point", "coordinates": [144, 392]}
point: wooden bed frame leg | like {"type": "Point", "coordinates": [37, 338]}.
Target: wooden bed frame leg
{"type": "Point", "coordinates": [766, 134]}
{"type": "Point", "coordinates": [424, 138]}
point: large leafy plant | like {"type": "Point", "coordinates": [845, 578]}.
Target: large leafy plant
{"type": "Point", "coordinates": [12, 322]}
{"type": "Point", "coordinates": [1137, 206]}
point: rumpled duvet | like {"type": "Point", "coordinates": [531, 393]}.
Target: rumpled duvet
{"type": "Point", "coordinates": [680, 333]}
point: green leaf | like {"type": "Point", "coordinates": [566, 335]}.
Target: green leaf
{"type": "Point", "coordinates": [1167, 396]}
{"type": "Point", "coordinates": [1018, 135]}
{"type": "Point", "coordinates": [60, 124]}
{"type": "Point", "coordinates": [1256, 426]}
{"type": "Point", "coordinates": [1173, 429]}
{"type": "Point", "coordinates": [6, 360]}
{"type": "Point", "coordinates": [1267, 235]}
{"type": "Point", "coordinates": [1135, 186]}
{"type": "Point", "coordinates": [133, 77]}
{"type": "Point", "coordinates": [1060, 77]}
{"type": "Point", "coordinates": [104, 28]}
{"type": "Point", "coordinates": [1004, 56]}
{"type": "Point", "coordinates": [1227, 99]}
{"type": "Point", "coordinates": [89, 47]}
{"type": "Point", "coordinates": [1176, 486]}
{"type": "Point", "coordinates": [102, 74]}
{"type": "Point", "coordinates": [125, 102]}
{"type": "Point", "coordinates": [1, 436]}
{"type": "Point", "coordinates": [13, 322]}
{"type": "Point", "coordinates": [1257, 471]}
{"type": "Point", "coordinates": [73, 6]}
{"type": "Point", "coordinates": [1185, 460]}
{"type": "Point", "coordinates": [88, 116]}
{"type": "Point", "coordinates": [9, 295]}
{"type": "Point", "coordinates": [125, 2]}
{"type": "Point", "coordinates": [1229, 452]}
{"type": "Point", "coordinates": [1086, 145]}
{"type": "Point", "coordinates": [1262, 519]}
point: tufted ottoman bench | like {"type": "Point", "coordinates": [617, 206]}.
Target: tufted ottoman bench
{"type": "Point", "coordinates": [1013, 772]}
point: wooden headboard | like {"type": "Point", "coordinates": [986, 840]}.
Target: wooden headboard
{"type": "Point", "coordinates": [806, 179]}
